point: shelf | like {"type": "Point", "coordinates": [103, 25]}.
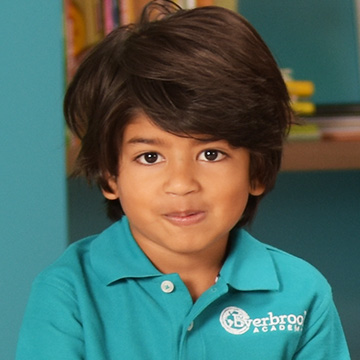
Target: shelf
{"type": "Point", "coordinates": [321, 155]}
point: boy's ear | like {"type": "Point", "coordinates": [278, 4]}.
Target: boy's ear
{"type": "Point", "coordinates": [111, 190]}
{"type": "Point", "coordinates": [256, 188]}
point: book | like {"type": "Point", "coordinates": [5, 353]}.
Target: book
{"type": "Point", "coordinates": [108, 16]}
{"type": "Point", "coordinates": [91, 12]}
{"type": "Point", "coordinates": [200, 3]}
{"type": "Point", "coordinates": [300, 92]}
{"type": "Point", "coordinates": [338, 127]}
{"type": "Point", "coordinates": [300, 88]}
{"type": "Point", "coordinates": [332, 122]}
{"type": "Point", "coordinates": [303, 132]}
{"type": "Point", "coordinates": [131, 10]}
{"type": "Point", "coordinates": [75, 37]}
{"type": "Point", "coordinates": [303, 107]}
{"type": "Point", "coordinates": [228, 4]}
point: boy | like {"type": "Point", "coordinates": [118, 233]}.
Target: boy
{"type": "Point", "coordinates": [182, 121]}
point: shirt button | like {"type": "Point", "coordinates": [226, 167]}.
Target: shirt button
{"type": "Point", "coordinates": [167, 286]}
{"type": "Point", "coordinates": [190, 327]}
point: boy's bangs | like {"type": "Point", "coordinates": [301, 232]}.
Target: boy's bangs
{"type": "Point", "coordinates": [174, 108]}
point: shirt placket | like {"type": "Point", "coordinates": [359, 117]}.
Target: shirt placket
{"type": "Point", "coordinates": [192, 344]}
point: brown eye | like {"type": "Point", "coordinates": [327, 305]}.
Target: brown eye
{"type": "Point", "coordinates": [211, 155]}
{"type": "Point", "coordinates": [149, 158]}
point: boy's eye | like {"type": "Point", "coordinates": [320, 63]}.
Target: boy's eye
{"type": "Point", "coordinates": [149, 158]}
{"type": "Point", "coordinates": [211, 155]}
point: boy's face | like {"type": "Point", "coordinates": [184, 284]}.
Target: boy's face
{"type": "Point", "coordinates": [180, 195]}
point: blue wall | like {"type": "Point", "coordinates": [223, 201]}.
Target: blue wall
{"type": "Point", "coordinates": [32, 174]}
{"type": "Point", "coordinates": [317, 38]}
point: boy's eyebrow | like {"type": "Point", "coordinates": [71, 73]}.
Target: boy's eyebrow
{"type": "Point", "coordinates": [143, 140]}
{"type": "Point", "coordinates": [157, 141]}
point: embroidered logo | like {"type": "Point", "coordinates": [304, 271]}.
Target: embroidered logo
{"type": "Point", "coordinates": [236, 321]}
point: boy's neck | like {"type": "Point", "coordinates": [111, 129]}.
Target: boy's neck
{"type": "Point", "coordinates": [198, 280]}
{"type": "Point", "coordinates": [198, 271]}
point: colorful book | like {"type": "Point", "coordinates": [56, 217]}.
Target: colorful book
{"type": "Point", "coordinates": [108, 18]}
{"type": "Point", "coordinates": [200, 3]}
{"type": "Point", "coordinates": [229, 4]}
{"type": "Point", "coordinates": [91, 12]}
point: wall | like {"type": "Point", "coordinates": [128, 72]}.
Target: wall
{"type": "Point", "coordinates": [317, 39]}
{"type": "Point", "coordinates": [33, 190]}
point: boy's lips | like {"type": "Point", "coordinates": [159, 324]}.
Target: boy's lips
{"type": "Point", "coordinates": [185, 218]}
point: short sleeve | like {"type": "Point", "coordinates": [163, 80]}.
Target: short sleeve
{"type": "Point", "coordinates": [323, 336]}
{"type": "Point", "coordinates": [51, 327]}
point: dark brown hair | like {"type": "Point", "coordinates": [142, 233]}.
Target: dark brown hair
{"type": "Point", "coordinates": [200, 71]}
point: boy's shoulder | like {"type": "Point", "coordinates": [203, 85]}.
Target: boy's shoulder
{"type": "Point", "coordinates": [67, 266]}
{"type": "Point", "coordinates": [77, 258]}
{"type": "Point", "coordinates": [268, 261]}
{"type": "Point", "coordinates": [80, 250]}
{"type": "Point", "coordinates": [291, 261]}
{"type": "Point", "coordinates": [291, 268]}
{"type": "Point", "coordinates": [105, 257]}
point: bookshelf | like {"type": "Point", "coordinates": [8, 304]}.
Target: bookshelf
{"type": "Point", "coordinates": [336, 144]}
{"type": "Point", "coordinates": [321, 155]}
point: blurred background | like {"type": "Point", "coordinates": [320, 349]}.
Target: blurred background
{"type": "Point", "coordinates": [314, 210]}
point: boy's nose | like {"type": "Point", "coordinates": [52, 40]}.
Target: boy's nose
{"type": "Point", "coordinates": [181, 179]}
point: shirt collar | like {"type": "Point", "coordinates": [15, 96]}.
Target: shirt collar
{"type": "Point", "coordinates": [249, 265]}
{"type": "Point", "coordinates": [115, 255]}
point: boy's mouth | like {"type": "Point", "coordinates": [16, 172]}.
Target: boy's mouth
{"type": "Point", "coordinates": [185, 218]}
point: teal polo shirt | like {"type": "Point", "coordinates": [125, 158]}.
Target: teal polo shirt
{"type": "Point", "coordinates": [103, 299]}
